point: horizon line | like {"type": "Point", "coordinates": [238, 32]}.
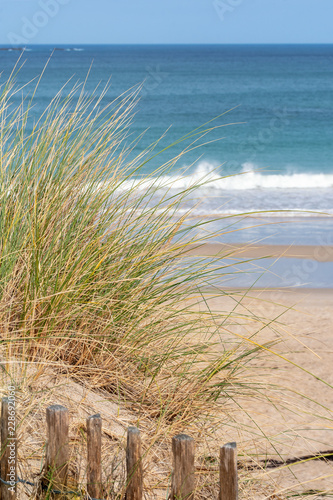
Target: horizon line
{"type": "Point", "coordinates": [161, 43]}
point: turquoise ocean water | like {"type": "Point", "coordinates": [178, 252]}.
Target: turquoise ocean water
{"type": "Point", "coordinates": [276, 100]}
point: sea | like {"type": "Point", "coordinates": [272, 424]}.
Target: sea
{"type": "Point", "coordinates": [256, 122]}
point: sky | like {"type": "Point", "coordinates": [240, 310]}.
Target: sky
{"type": "Point", "coordinates": [24, 22]}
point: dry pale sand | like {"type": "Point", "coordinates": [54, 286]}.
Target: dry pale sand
{"type": "Point", "coordinates": [297, 426]}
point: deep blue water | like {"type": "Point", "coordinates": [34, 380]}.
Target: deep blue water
{"type": "Point", "coordinates": [283, 94]}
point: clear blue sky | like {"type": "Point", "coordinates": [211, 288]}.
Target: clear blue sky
{"type": "Point", "coordinates": [168, 21]}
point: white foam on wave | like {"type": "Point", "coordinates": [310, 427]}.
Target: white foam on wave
{"type": "Point", "coordinates": [251, 191]}
{"type": "Point", "coordinates": [204, 173]}
{"type": "Point", "coordinates": [249, 179]}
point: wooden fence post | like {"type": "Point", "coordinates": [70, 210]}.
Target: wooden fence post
{"type": "Point", "coordinates": [183, 479]}
{"type": "Point", "coordinates": [228, 472]}
{"type": "Point", "coordinates": [8, 464]}
{"type": "Point", "coordinates": [134, 465]}
{"type": "Point", "coordinates": [94, 461]}
{"type": "Point", "coordinates": [57, 453]}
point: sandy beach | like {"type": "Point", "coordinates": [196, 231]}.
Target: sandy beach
{"type": "Point", "coordinates": [299, 427]}
{"type": "Point", "coordinates": [298, 413]}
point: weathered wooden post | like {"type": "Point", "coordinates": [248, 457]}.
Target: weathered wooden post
{"type": "Point", "coordinates": [183, 479]}
{"type": "Point", "coordinates": [8, 463]}
{"type": "Point", "coordinates": [57, 453]}
{"type": "Point", "coordinates": [228, 472]}
{"type": "Point", "coordinates": [134, 465]}
{"type": "Point", "coordinates": [94, 461]}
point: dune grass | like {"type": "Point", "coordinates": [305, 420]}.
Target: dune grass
{"type": "Point", "coordinates": [94, 277]}
{"type": "Point", "coordinates": [93, 271]}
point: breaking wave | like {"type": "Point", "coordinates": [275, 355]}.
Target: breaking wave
{"type": "Point", "coordinates": [250, 191]}
{"type": "Point", "coordinates": [249, 179]}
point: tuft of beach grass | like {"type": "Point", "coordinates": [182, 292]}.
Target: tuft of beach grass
{"type": "Point", "coordinates": [100, 299]}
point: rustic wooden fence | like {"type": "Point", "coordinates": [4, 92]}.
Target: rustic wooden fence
{"type": "Point", "coordinates": [57, 459]}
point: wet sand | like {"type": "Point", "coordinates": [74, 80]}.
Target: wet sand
{"type": "Point", "coordinates": [322, 253]}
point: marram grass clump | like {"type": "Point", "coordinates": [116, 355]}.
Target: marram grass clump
{"type": "Point", "coordinates": [94, 276]}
